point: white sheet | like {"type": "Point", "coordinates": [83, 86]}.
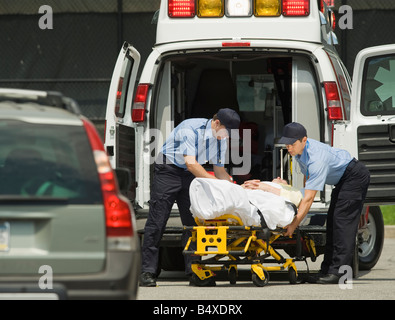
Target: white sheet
{"type": "Point", "coordinates": [211, 198]}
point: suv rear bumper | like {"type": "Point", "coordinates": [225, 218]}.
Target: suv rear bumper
{"type": "Point", "coordinates": [119, 281]}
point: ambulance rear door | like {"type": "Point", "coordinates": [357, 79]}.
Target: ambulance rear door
{"type": "Point", "coordinates": [119, 136]}
{"type": "Point", "coordinates": [370, 134]}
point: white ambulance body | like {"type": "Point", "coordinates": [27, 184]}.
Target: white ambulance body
{"type": "Point", "coordinates": [273, 61]}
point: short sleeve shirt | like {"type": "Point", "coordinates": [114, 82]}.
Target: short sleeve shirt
{"type": "Point", "coordinates": [194, 137]}
{"type": "Point", "coordinates": [322, 164]}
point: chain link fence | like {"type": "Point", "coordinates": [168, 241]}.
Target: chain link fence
{"type": "Point", "coordinates": [78, 55]}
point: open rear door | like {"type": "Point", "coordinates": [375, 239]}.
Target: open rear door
{"type": "Point", "coordinates": [373, 120]}
{"type": "Point", "coordinates": [119, 131]}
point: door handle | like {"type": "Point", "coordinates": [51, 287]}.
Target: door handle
{"type": "Point", "coordinates": [392, 132]}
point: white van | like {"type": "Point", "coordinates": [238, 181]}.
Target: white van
{"type": "Point", "coordinates": [273, 61]}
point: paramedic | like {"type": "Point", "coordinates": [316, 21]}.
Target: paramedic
{"type": "Point", "coordinates": [322, 164]}
{"type": "Point", "coordinates": [192, 143]}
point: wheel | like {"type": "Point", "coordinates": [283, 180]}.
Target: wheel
{"type": "Point", "coordinates": [258, 281]}
{"type": "Point", "coordinates": [208, 282]}
{"type": "Point", "coordinates": [232, 274]}
{"type": "Point", "coordinates": [371, 239]}
{"type": "Point", "coordinates": [293, 278]}
{"type": "Point", "coordinates": [355, 260]}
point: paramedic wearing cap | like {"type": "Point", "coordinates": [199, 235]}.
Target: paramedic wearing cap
{"type": "Point", "coordinates": [322, 164]}
{"type": "Point", "coordinates": [192, 143]}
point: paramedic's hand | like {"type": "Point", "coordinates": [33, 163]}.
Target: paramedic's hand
{"type": "Point", "coordinates": [290, 229]}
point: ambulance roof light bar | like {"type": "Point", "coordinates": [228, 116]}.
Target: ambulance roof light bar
{"type": "Point", "coordinates": [237, 8]}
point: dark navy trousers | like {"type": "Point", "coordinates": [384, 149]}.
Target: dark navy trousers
{"type": "Point", "coordinates": [170, 185]}
{"type": "Point", "coordinates": [344, 215]}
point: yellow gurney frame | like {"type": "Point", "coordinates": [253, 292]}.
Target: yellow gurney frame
{"type": "Point", "coordinates": [227, 237]}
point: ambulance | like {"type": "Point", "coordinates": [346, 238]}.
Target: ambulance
{"type": "Point", "coordinates": [274, 62]}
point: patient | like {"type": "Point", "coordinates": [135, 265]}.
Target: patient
{"type": "Point", "coordinates": [212, 198]}
{"type": "Point", "coordinates": [278, 187]}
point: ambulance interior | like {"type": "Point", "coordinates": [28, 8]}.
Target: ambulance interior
{"type": "Point", "coordinates": [267, 89]}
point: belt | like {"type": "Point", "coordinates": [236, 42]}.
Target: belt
{"type": "Point", "coordinates": [351, 165]}
{"type": "Point", "coordinates": [169, 163]}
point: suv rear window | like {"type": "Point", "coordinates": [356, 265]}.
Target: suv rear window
{"type": "Point", "coordinates": [47, 162]}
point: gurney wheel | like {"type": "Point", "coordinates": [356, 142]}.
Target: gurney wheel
{"type": "Point", "coordinates": [207, 282]}
{"type": "Point", "coordinates": [258, 281]}
{"type": "Point", "coordinates": [232, 274]}
{"type": "Point", "coordinates": [293, 278]}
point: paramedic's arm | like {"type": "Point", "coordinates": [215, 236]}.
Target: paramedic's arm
{"type": "Point", "coordinates": [195, 168]}
{"type": "Point", "coordinates": [303, 209]}
{"type": "Point", "coordinates": [220, 173]}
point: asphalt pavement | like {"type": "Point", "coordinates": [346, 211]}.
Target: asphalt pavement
{"type": "Point", "coordinates": [376, 284]}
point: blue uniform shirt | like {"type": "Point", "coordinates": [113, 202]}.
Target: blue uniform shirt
{"type": "Point", "coordinates": [194, 137]}
{"type": "Point", "coordinates": [322, 164]}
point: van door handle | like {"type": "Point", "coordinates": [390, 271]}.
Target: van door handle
{"type": "Point", "coordinates": [392, 132]}
{"type": "Point", "coordinates": [110, 150]}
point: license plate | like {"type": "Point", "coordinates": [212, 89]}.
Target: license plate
{"type": "Point", "coordinates": [4, 236]}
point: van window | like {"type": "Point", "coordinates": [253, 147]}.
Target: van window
{"type": "Point", "coordinates": [378, 86]}
{"type": "Point", "coordinates": [123, 84]}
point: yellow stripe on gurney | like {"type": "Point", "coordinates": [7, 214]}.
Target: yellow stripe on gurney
{"type": "Point", "coordinates": [220, 221]}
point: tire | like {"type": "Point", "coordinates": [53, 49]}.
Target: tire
{"type": "Point", "coordinates": [355, 260]}
{"type": "Point", "coordinates": [293, 278]}
{"type": "Point", "coordinates": [232, 275]}
{"type": "Point", "coordinates": [258, 281]}
{"type": "Point", "coordinates": [371, 239]}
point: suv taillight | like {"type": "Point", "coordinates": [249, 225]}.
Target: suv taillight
{"type": "Point", "coordinates": [117, 208]}
{"type": "Point", "coordinates": [140, 103]}
{"type": "Point", "coordinates": [333, 101]}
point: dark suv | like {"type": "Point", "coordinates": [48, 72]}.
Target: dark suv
{"type": "Point", "coordinates": [66, 231]}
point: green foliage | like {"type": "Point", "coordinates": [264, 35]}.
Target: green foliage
{"type": "Point", "coordinates": [388, 214]}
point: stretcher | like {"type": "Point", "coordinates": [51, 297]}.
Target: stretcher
{"type": "Point", "coordinates": [224, 243]}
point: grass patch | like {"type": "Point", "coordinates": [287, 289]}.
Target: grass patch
{"type": "Point", "coordinates": [388, 214]}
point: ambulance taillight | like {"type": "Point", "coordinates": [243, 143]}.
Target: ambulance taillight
{"type": "Point", "coordinates": [140, 103]}
{"type": "Point", "coordinates": [333, 101]}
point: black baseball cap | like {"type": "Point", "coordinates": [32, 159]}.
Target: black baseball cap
{"type": "Point", "coordinates": [229, 118]}
{"type": "Point", "coordinates": [292, 131]}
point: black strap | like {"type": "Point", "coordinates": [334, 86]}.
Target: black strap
{"type": "Point", "coordinates": [265, 228]}
{"type": "Point", "coordinates": [263, 221]}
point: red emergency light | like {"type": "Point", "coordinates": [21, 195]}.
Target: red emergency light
{"type": "Point", "coordinates": [296, 8]}
{"type": "Point", "coordinates": [181, 8]}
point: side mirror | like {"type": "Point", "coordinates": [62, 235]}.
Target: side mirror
{"type": "Point", "coordinates": [124, 178]}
